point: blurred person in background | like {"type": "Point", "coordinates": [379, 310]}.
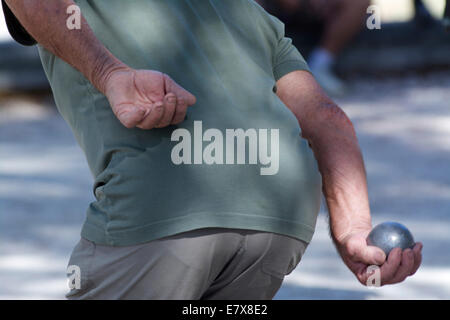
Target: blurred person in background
{"type": "Point", "coordinates": [422, 16]}
{"type": "Point", "coordinates": [341, 21]}
{"type": "Point", "coordinates": [446, 20]}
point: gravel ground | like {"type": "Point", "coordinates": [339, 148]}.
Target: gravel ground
{"type": "Point", "coordinates": [403, 126]}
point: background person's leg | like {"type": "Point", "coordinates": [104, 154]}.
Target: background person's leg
{"type": "Point", "coordinates": [258, 269]}
{"type": "Point", "coordinates": [421, 14]}
{"type": "Point", "coordinates": [342, 19]}
{"type": "Point", "coordinates": [446, 20]}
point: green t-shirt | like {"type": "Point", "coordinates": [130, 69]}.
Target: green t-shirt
{"type": "Point", "coordinates": [237, 161]}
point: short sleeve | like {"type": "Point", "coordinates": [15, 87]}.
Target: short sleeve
{"type": "Point", "coordinates": [286, 57]}
{"type": "Point", "coordinates": [15, 28]}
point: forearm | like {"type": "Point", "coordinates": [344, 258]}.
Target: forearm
{"type": "Point", "coordinates": [334, 143]}
{"type": "Point", "coordinates": [335, 146]}
{"type": "Point", "coordinates": [340, 161]}
{"type": "Point", "coordinates": [46, 21]}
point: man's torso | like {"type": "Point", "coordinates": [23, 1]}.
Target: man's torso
{"type": "Point", "coordinates": [147, 185]}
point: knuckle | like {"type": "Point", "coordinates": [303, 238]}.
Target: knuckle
{"type": "Point", "coordinates": [171, 98]}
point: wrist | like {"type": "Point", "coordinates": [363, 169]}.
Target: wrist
{"type": "Point", "coordinates": [103, 70]}
{"type": "Point", "coordinates": [340, 230]}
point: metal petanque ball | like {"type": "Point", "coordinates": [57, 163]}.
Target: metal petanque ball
{"type": "Point", "coordinates": [390, 235]}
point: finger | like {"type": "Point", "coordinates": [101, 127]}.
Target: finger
{"type": "Point", "coordinates": [359, 251]}
{"type": "Point", "coordinates": [180, 112]}
{"type": "Point", "coordinates": [363, 272]}
{"type": "Point", "coordinates": [131, 116]}
{"type": "Point", "coordinates": [170, 104]}
{"type": "Point", "coordinates": [405, 267]}
{"type": "Point", "coordinates": [154, 116]}
{"type": "Point", "coordinates": [180, 92]}
{"type": "Point", "coordinates": [390, 267]}
{"type": "Point", "coordinates": [417, 250]}
{"type": "Point", "coordinates": [189, 97]}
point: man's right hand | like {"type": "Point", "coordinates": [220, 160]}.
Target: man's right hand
{"type": "Point", "coordinates": [146, 99]}
{"type": "Point", "coordinates": [139, 98]}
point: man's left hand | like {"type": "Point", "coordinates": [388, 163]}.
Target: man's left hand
{"type": "Point", "coordinates": [358, 256]}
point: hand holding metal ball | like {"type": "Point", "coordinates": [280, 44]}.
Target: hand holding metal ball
{"type": "Point", "coordinates": [390, 235]}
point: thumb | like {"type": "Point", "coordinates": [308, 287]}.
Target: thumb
{"type": "Point", "coordinates": [180, 92]}
{"type": "Point", "coordinates": [190, 98]}
{"type": "Point", "coordinates": [374, 255]}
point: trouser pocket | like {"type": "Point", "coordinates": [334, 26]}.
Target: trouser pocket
{"type": "Point", "coordinates": [283, 256]}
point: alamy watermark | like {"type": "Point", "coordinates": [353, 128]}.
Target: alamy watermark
{"type": "Point", "coordinates": [374, 279]}
{"type": "Point", "coordinates": [73, 22]}
{"type": "Point", "coordinates": [221, 147]}
{"type": "Point", "coordinates": [74, 277]}
{"type": "Point", "coordinates": [374, 20]}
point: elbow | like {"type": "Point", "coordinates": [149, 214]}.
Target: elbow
{"type": "Point", "coordinates": [331, 114]}
{"type": "Point", "coordinates": [329, 120]}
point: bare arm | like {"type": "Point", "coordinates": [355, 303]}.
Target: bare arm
{"type": "Point", "coordinates": [333, 140]}
{"type": "Point", "coordinates": [335, 146]}
{"type": "Point", "coordinates": [46, 22]}
{"type": "Point", "coordinates": [141, 98]}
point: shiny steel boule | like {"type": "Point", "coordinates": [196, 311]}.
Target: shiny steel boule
{"type": "Point", "coordinates": [390, 235]}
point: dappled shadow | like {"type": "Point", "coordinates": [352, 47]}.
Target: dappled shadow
{"type": "Point", "coordinates": [408, 183]}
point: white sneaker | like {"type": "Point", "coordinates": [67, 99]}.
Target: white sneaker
{"type": "Point", "coordinates": [334, 86]}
